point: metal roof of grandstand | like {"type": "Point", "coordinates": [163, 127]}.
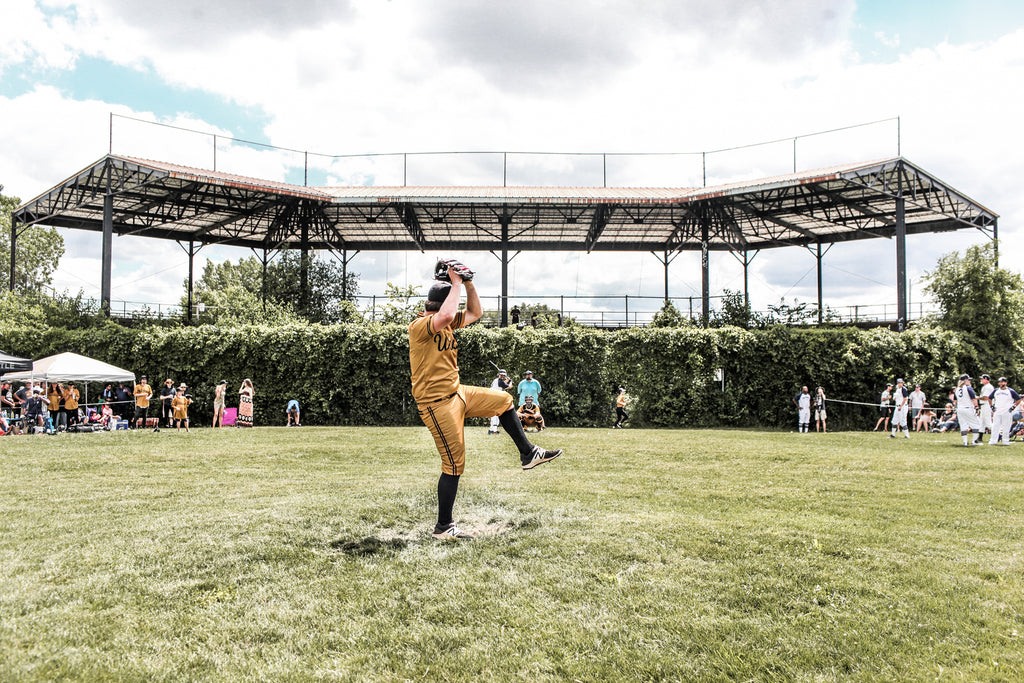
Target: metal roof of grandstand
{"type": "Point", "coordinates": [847, 202]}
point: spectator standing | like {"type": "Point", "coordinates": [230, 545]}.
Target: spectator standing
{"type": "Point", "coordinates": [218, 403]}
{"type": "Point", "coordinates": [533, 319]}
{"type": "Point", "coordinates": [7, 398]}
{"type": "Point", "coordinates": [901, 398]}
{"type": "Point", "coordinates": [501, 383]}
{"type": "Point", "coordinates": [245, 395]}
{"type": "Point", "coordinates": [820, 415]}
{"type": "Point", "coordinates": [54, 398]}
{"type": "Point", "coordinates": [884, 409]}
{"type": "Point", "coordinates": [967, 411]}
{"type": "Point", "coordinates": [71, 404]}
{"type": "Point", "coordinates": [802, 401]}
{"type": "Point", "coordinates": [123, 406]}
{"type": "Point", "coordinates": [167, 396]}
{"type": "Point", "coordinates": [917, 400]}
{"type": "Point", "coordinates": [528, 386]}
{"type": "Point", "coordinates": [179, 406]}
{"type": "Point", "coordinates": [143, 392]}
{"type": "Point", "coordinates": [621, 416]}
{"type": "Point", "coordinates": [515, 316]}
{"type": "Point", "coordinates": [1004, 399]}
{"type": "Point", "coordinates": [109, 394]}
{"type": "Point", "coordinates": [20, 396]}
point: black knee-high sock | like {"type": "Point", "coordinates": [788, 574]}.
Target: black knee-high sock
{"type": "Point", "coordinates": [447, 487]}
{"type": "Point", "coordinates": [513, 426]}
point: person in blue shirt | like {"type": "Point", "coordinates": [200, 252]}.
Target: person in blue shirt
{"type": "Point", "coordinates": [293, 413]}
{"type": "Point", "coordinates": [528, 387]}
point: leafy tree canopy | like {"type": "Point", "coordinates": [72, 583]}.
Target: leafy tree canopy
{"type": "Point", "coordinates": [233, 292]}
{"type": "Point", "coordinates": [38, 251]}
{"type": "Point", "coordinates": [977, 297]}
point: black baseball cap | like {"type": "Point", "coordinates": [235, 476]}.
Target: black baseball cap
{"type": "Point", "coordinates": [1002, 379]}
{"type": "Point", "coordinates": [438, 291]}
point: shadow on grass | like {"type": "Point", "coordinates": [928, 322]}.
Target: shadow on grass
{"type": "Point", "coordinates": [370, 545]}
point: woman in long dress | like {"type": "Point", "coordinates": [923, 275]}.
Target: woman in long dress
{"type": "Point", "coordinates": [245, 394]}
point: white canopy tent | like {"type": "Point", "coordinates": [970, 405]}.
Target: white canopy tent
{"type": "Point", "coordinates": [71, 367]}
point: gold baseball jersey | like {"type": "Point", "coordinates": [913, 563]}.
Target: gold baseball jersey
{"type": "Point", "coordinates": [142, 394]}
{"type": "Point", "coordinates": [529, 410]}
{"type": "Point", "coordinates": [434, 358]}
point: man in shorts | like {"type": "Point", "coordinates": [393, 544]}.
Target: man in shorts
{"type": "Point", "coordinates": [443, 402]}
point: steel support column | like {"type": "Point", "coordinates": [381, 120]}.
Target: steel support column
{"type": "Point", "coordinates": [901, 265]}
{"type": "Point", "coordinates": [821, 317]}
{"type": "Point", "coordinates": [344, 274]}
{"type": "Point", "coordinates": [504, 270]}
{"type": "Point", "coordinates": [304, 264]}
{"type": "Point", "coordinates": [705, 267]}
{"type": "Point", "coordinates": [191, 278]}
{"type": "Point", "coordinates": [666, 275]}
{"type": "Point", "coordinates": [107, 253]}
{"type": "Point", "coordinates": [746, 280]}
{"type": "Point", "coordinates": [14, 247]}
{"type": "Point", "coordinates": [263, 279]}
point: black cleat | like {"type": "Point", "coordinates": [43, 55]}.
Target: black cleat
{"type": "Point", "coordinates": [539, 457]}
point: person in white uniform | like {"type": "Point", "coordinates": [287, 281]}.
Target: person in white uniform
{"type": "Point", "coordinates": [967, 411]}
{"type": "Point", "coordinates": [901, 399]}
{"type": "Point", "coordinates": [985, 392]}
{"type": "Point", "coordinates": [501, 383]}
{"type": "Point", "coordinates": [803, 405]}
{"type": "Point", "coordinates": [1003, 401]}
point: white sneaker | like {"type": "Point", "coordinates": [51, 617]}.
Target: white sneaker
{"type": "Point", "coordinates": [453, 532]}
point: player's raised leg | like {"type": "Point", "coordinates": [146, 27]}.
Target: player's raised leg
{"type": "Point", "coordinates": [481, 402]}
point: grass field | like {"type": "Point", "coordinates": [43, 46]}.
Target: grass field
{"type": "Point", "coordinates": [276, 554]}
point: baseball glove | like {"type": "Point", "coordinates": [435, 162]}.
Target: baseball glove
{"type": "Point", "coordinates": [443, 266]}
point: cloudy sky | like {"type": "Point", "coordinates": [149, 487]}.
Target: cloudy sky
{"type": "Point", "coordinates": [368, 76]}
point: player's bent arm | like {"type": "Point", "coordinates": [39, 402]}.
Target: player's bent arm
{"type": "Point", "coordinates": [444, 317]}
{"type": "Point", "coordinates": [474, 309]}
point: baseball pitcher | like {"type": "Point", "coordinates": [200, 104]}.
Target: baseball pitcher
{"type": "Point", "coordinates": [442, 401]}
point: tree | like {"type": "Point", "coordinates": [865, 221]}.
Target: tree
{"type": "Point", "coordinates": [669, 316]}
{"type": "Point", "coordinates": [226, 286]}
{"type": "Point", "coordinates": [735, 310]}
{"type": "Point", "coordinates": [38, 251]}
{"type": "Point", "coordinates": [328, 286]}
{"type": "Point", "coordinates": [977, 297]}
{"type": "Point", "coordinates": [402, 306]}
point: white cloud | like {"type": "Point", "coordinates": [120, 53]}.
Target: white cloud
{"type": "Point", "coordinates": [407, 76]}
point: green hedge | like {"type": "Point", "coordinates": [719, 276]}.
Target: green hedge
{"type": "Point", "coordinates": [359, 374]}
